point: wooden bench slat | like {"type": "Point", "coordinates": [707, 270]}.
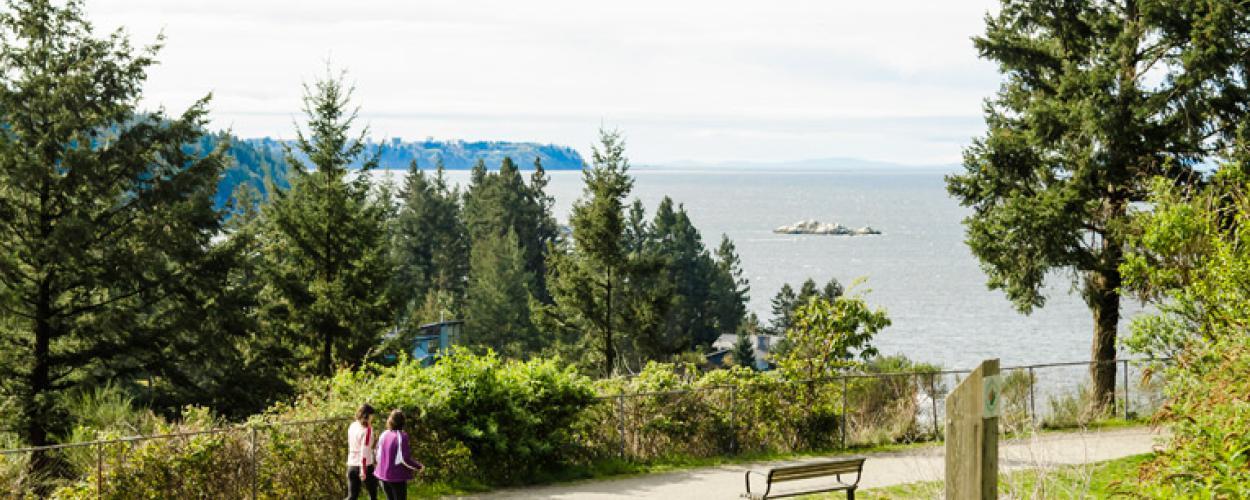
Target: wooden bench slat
{"type": "Point", "coordinates": [840, 467]}
{"type": "Point", "coordinates": [802, 475]}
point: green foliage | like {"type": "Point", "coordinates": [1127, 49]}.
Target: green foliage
{"type": "Point", "coordinates": [105, 213]}
{"type": "Point", "coordinates": [429, 248]}
{"type": "Point", "coordinates": [1097, 99]}
{"type": "Point", "coordinates": [744, 351]}
{"type": "Point", "coordinates": [827, 336]}
{"type": "Point", "coordinates": [786, 302]}
{"type": "Point", "coordinates": [584, 279]}
{"type": "Point", "coordinates": [497, 303]}
{"type": "Point", "coordinates": [499, 202]}
{"type": "Point", "coordinates": [1192, 257]}
{"type": "Point", "coordinates": [513, 418]}
{"type": "Point", "coordinates": [325, 265]}
{"type": "Point", "coordinates": [783, 308]}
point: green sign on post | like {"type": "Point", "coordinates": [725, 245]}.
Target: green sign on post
{"type": "Point", "coordinates": [992, 388]}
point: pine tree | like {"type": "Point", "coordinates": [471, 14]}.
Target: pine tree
{"type": "Point", "coordinates": [806, 291]}
{"type": "Point", "coordinates": [547, 232]}
{"type": "Point", "coordinates": [498, 202]}
{"type": "Point", "coordinates": [691, 270]}
{"type": "Point", "coordinates": [429, 245]}
{"type": "Point", "coordinates": [585, 282]}
{"type": "Point", "coordinates": [744, 351]}
{"type": "Point", "coordinates": [1097, 99]}
{"type": "Point", "coordinates": [783, 305]}
{"type": "Point", "coordinates": [832, 290]}
{"type": "Point", "coordinates": [730, 290]}
{"type": "Point", "coordinates": [104, 212]}
{"type": "Point", "coordinates": [327, 258]}
{"type": "Point", "coordinates": [497, 303]}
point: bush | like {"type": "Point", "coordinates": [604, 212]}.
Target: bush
{"type": "Point", "coordinates": [512, 418]}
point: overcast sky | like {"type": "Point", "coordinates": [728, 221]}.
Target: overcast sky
{"type": "Point", "coordinates": [702, 80]}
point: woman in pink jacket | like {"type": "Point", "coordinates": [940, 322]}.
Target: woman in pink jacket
{"type": "Point", "coordinates": [360, 442]}
{"type": "Point", "coordinates": [395, 465]}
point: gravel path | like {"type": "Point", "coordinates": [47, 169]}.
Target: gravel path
{"type": "Point", "coordinates": [881, 469]}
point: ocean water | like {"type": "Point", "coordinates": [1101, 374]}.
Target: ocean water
{"type": "Point", "coordinates": [919, 269]}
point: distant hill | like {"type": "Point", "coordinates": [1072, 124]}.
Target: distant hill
{"type": "Point", "coordinates": [255, 160]}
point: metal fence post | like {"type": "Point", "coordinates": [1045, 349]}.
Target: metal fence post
{"type": "Point", "coordinates": [251, 438]}
{"type": "Point", "coordinates": [1032, 397]}
{"type": "Point", "coordinates": [733, 419]}
{"type": "Point", "coordinates": [844, 419]}
{"type": "Point", "coordinates": [1126, 414]}
{"type": "Point", "coordinates": [620, 409]}
{"type": "Point", "coordinates": [933, 399]}
{"type": "Point", "coordinates": [99, 469]}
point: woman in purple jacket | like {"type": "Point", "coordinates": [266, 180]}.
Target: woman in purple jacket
{"type": "Point", "coordinates": [395, 466]}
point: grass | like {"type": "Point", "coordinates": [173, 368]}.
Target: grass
{"type": "Point", "coordinates": [1098, 480]}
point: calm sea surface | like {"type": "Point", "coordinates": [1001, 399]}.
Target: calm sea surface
{"type": "Point", "coordinates": [919, 270]}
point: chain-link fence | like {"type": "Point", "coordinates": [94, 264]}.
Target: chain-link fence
{"type": "Point", "coordinates": [759, 415]}
{"type": "Point", "coordinates": [776, 416]}
{"type": "Point", "coordinates": [285, 460]}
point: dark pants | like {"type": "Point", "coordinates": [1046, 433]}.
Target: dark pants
{"type": "Point", "coordinates": [395, 490]}
{"type": "Point", "coordinates": [353, 483]}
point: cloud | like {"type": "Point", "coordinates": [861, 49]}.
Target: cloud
{"type": "Point", "coordinates": [704, 80]}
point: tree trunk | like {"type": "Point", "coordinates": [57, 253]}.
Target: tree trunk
{"type": "Point", "coordinates": [326, 346]}
{"type": "Point", "coordinates": [35, 407]}
{"type": "Point", "coordinates": [1104, 303]}
{"type": "Point", "coordinates": [608, 351]}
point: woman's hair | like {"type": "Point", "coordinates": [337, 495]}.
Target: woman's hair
{"type": "Point", "coordinates": [395, 422]}
{"type": "Point", "coordinates": [363, 413]}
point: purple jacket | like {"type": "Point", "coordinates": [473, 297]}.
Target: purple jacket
{"type": "Point", "coordinates": [387, 468]}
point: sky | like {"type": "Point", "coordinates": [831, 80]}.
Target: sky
{"type": "Point", "coordinates": [684, 80]}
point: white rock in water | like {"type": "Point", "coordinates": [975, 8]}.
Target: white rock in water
{"type": "Point", "coordinates": [811, 226]}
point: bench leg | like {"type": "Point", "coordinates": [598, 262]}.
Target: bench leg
{"type": "Point", "coordinates": [850, 494]}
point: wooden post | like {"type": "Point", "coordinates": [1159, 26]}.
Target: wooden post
{"type": "Point", "coordinates": [972, 435]}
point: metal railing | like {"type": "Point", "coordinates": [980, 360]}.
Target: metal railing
{"type": "Point", "coordinates": [765, 414]}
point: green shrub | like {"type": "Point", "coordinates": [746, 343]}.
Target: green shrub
{"type": "Point", "coordinates": [480, 416]}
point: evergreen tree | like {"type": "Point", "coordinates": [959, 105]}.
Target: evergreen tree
{"type": "Point", "coordinates": [498, 202]}
{"type": "Point", "coordinates": [327, 265]}
{"type": "Point", "coordinates": [744, 351]}
{"type": "Point", "coordinates": [547, 231]}
{"type": "Point", "coordinates": [691, 271]}
{"type": "Point", "coordinates": [585, 281]}
{"type": "Point", "coordinates": [429, 245]}
{"type": "Point", "coordinates": [648, 294]}
{"type": "Point", "coordinates": [218, 356]}
{"type": "Point", "coordinates": [1097, 99]}
{"type": "Point", "coordinates": [806, 291]}
{"type": "Point", "coordinates": [832, 290]}
{"type": "Point", "coordinates": [730, 291]}
{"type": "Point", "coordinates": [497, 303]}
{"type": "Point", "coordinates": [783, 305]}
{"type": "Point", "coordinates": [105, 213]}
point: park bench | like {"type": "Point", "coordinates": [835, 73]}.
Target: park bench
{"type": "Point", "coordinates": [835, 468]}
